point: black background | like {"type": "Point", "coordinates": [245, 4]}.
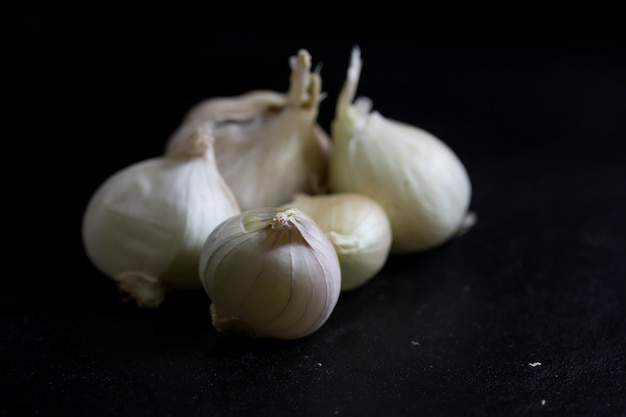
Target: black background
{"type": "Point", "coordinates": [539, 122]}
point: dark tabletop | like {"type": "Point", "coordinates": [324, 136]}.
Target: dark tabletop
{"type": "Point", "coordinates": [523, 315]}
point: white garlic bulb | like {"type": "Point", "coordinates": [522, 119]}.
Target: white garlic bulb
{"type": "Point", "coordinates": [268, 145]}
{"type": "Point", "coordinates": [420, 182]}
{"type": "Point", "coordinates": [358, 228]}
{"type": "Point", "coordinates": [144, 226]}
{"type": "Point", "coordinates": [270, 272]}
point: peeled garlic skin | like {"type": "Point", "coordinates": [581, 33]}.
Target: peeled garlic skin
{"type": "Point", "coordinates": [358, 228]}
{"type": "Point", "coordinates": [272, 272]}
{"type": "Point", "coordinates": [145, 225]}
{"type": "Point", "coordinates": [420, 182]}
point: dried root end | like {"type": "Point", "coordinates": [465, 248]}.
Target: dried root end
{"type": "Point", "coordinates": [146, 290]}
{"type": "Point", "coordinates": [467, 222]}
{"type": "Point", "coordinates": [230, 325]}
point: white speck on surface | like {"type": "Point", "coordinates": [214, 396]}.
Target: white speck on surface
{"type": "Point", "coordinates": [533, 364]}
{"type": "Point", "coordinates": [415, 343]}
{"type": "Point", "coordinates": [543, 402]}
{"type": "Point", "coordinates": [319, 364]}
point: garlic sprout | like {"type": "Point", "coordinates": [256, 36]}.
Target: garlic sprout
{"type": "Point", "coordinates": [270, 272]}
{"type": "Point", "coordinates": [420, 182]}
{"type": "Point", "coordinates": [144, 226]}
{"type": "Point", "coordinates": [358, 228]}
{"type": "Point", "coordinates": [268, 145]}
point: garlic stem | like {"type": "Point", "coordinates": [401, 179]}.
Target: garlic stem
{"type": "Point", "coordinates": [349, 88]}
{"type": "Point", "coordinates": [300, 77]}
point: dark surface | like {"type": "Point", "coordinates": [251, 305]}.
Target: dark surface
{"type": "Point", "coordinates": [449, 332]}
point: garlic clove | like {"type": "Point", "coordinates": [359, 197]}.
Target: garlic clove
{"type": "Point", "coordinates": [420, 182]}
{"type": "Point", "coordinates": [262, 135]}
{"type": "Point", "coordinates": [358, 228]}
{"type": "Point", "coordinates": [145, 225]}
{"type": "Point", "coordinates": [270, 272]}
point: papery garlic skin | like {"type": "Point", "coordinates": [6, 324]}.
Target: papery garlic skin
{"type": "Point", "coordinates": [270, 272]}
{"type": "Point", "coordinates": [268, 145]}
{"type": "Point", "coordinates": [145, 225]}
{"type": "Point", "coordinates": [420, 182]}
{"type": "Point", "coordinates": [238, 109]}
{"type": "Point", "coordinates": [358, 228]}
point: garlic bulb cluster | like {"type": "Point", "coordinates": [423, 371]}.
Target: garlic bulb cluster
{"type": "Point", "coordinates": [268, 145]}
{"type": "Point", "coordinates": [270, 272]}
{"type": "Point", "coordinates": [358, 228]}
{"type": "Point", "coordinates": [420, 182]}
{"type": "Point", "coordinates": [255, 204]}
{"type": "Point", "coordinates": [145, 225]}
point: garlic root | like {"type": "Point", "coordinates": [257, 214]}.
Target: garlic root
{"type": "Point", "coordinates": [469, 220]}
{"type": "Point", "coordinates": [146, 290]}
{"type": "Point", "coordinates": [230, 325]}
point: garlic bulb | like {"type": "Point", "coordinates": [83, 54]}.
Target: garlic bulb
{"type": "Point", "coordinates": [268, 145]}
{"type": "Point", "coordinates": [420, 182]}
{"type": "Point", "coordinates": [144, 226]}
{"type": "Point", "coordinates": [270, 272]}
{"type": "Point", "coordinates": [358, 228]}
